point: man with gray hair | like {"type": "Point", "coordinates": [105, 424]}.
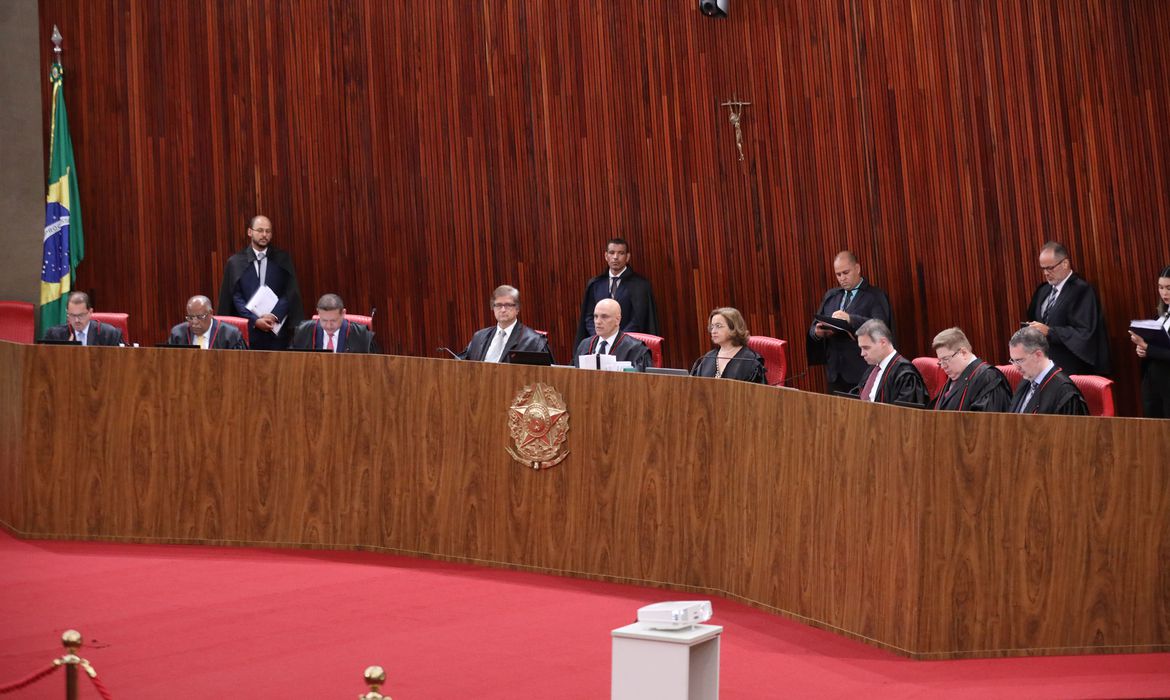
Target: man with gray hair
{"type": "Point", "coordinates": [203, 330]}
{"type": "Point", "coordinates": [890, 378]}
{"type": "Point", "coordinates": [494, 343]}
{"type": "Point", "coordinates": [1045, 388]}
{"type": "Point", "coordinates": [1065, 309]}
{"type": "Point", "coordinates": [332, 331]}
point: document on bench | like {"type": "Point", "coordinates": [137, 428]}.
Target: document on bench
{"type": "Point", "coordinates": [263, 302]}
{"type": "Point", "coordinates": [605, 363]}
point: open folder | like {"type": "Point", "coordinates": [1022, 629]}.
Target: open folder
{"type": "Point", "coordinates": [1153, 332]}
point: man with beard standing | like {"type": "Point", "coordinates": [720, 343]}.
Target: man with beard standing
{"type": "Point", "coordinates": [246, 273]}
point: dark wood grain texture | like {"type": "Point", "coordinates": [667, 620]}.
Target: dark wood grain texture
{"type": "Point", "coordinates": [414, 165]}
{"type": "Point", "coordinates": [935, 534]}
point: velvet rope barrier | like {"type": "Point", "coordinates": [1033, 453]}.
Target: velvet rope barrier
{"type": "Point", "coordinates": [4, 689]}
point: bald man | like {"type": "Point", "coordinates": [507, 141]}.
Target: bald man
{"type": "Point", "coordinates": [203, 330]}
{"type": "Point", "coordinates": [608, 339]}
{"type": "Point", "coordinates": [852, 302]}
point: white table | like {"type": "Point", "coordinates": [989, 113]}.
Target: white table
{"type": "Point", "coordinates": [665, 665]}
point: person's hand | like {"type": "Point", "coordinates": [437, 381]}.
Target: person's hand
{"type": "Point", "coordinates": [1138, 340]}
{"type": "Point", "coordinates": [266, 322]}
{"type": "Point", "coordinates": [844, 316]}
{"type": "Point", "coordinates": [822, 330]}
{"type": "Point", "coordinates": [1039, 326]}
{"type": "Point", "coordinates": [1140, 350]}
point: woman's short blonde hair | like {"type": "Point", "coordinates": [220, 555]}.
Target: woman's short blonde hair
{"type": "Point", "coordinates": [735, 323]}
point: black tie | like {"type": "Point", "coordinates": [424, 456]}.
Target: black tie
{"type": "Point", "coordinates": [848, 297]}
{"type": "Point", "coordinates": [1048, 305]}
{"type": "Point", "coordinates": [613, 285]}
{"type": "Point", "coordinates": [601, 348]}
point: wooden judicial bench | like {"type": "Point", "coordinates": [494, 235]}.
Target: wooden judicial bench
{"type": "Point", "coordinates": [935, 535]}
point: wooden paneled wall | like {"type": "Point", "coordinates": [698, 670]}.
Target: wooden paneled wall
{"type": "Point", "coordinates": [950, 534]}
{"type": "Point", "coordinates": [413, 160]}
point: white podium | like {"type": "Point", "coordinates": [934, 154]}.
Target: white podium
{"type": "Point", "coordinates": [682, 665]}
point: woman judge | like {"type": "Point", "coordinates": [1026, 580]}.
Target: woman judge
{"type": "Point", "coordinates": [1156, 358]}
{"type": "Point", "coordinates": [733, 359]}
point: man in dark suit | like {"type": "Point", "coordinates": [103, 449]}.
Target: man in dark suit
{"type": "Point", "coordinates": [1066, 310]}
{"type": "Point", "coordinates": [610, 340]}
{"type": "Point", "coordinates": [630, 290]}
{"type": "Point", "coordinates": [1044, 387]}
{"type": "Point", "coordinates": [332, 331]}
{"type": "Point", "coordinates": [853, 302]}
{"type": "Point", "coordinates": [203, 330]}
{"type": "Point", "coordinates": [81, 327]}
{"type": "Point", "coordinates": [972, 384]}
{"type": "Point", "coordinates": [262, 265]}
{"type": "Point", "coordinates": [890, 377]}
{"type": "Point", "coordinates": [492, 344]}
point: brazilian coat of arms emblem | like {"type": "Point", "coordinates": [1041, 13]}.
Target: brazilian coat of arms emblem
{"type": "Point", "coordinates": [539, 425]}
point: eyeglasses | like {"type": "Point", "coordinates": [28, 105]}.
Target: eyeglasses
{"type": "Point", "coordinates": [943, 361]}
{"type": "Point", "coordinates": [197, 317]}
{"type": "Point", "coordinates": [262, 230]}
{"type": "Point", "coordinates": [716, 327]}
{"type": "Point", "coordinates": [1019, 362]}
{"type": "Point", "coordinates": [1050, 268]}
{"type": "Point", "coordinates": [503, 305]}
{"type": "Point", "coordinates": [77, 317]}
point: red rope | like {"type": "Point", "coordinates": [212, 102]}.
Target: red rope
{"type": "Point", "coordinates": [28, 681]}
{"type": "Point", "coordinates": [100, 688]}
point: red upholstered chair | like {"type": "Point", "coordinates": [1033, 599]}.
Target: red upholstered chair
{"type": "Point", "coordinates": [117, 320]}
{"type": "Point", "coordinates": [17, 322]}
{"type": "Point", "coordinates": [775, 354]}
{"type": "Point", "coordinates": [1012, 373]}
{"type": "Point", "coordinates": [931, 373]}
{"type": "Point", "coordinates": [354, 318]}
{"type": "Point", "coordinates": [1098, 393]}
{"type": "Point", "coordinates": [654, 342]}
{"type": "Point", "coordinates": [240, 323]}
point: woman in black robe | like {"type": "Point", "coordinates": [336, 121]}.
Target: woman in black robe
{"type": "Point", "coordinates": [1156, 358]}
{"type": "Point", "coordinates": [732, 358]}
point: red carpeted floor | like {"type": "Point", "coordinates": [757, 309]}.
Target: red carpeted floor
{"type": "Point", "coordinates": [209, 622]}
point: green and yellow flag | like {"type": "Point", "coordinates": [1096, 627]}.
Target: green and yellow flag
{"type": "Point", "coordinates": [64, 246]}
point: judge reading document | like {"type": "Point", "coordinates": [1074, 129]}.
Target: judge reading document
{"type": "Point", "coordinates": [81, 327]}
{"type": "Point", "coordinates": [972, 384]}
{"type": "Point", "coordinates": [203, 331]}
{"type": "Point", "coordinates": [732, 358]}
{"type": "Point", "coordinates": [260, 284]}
{"type": "Point", "coordinates": [890, 378]}
{"type": "Point", "coordinates": [332, 331]}
{"type": "Point", "coordinates": [609, 340]}
{"type": "Point", "coordinates": [1045, 387]}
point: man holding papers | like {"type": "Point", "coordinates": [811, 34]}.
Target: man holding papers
{"type": "Point", "coordinates": [609, 344]}
{"type": "Point", "coordinates": [260, 284]}
{"type": "Point", "coordinates": [831, 338]}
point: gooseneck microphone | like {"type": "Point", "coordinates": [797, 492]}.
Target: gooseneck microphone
{"type": "Point", "coordinates": [449, 351]}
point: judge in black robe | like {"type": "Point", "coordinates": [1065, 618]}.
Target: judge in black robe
{"type": "Point", "coordinates": [96, 333]}
{"type": "Point", "coordinates": [1156, 358]}
{"type": "Point", "coordinates": [860, 301]}
{"type": "Point", "coordinates": [520, 338]}
{"type": "Point", "coordinates": [1055, 394]}
{"type": "Point", "coordinates": [746, 365]}
{"type": "Point", "coordinates": [241, 280]}
{"type": "Point", "coordinates": [221, 336]}
{"type": "Point", "coordinates": [1073, 322]}
{"type": "Point", "coordinates": [630, 290]}
{"type": "Point", "coordinates": [729, 333]}
{"type": "Point", "coordinates": [899, 381]}
{"type": "Point", "coordinates": [625, 348]}
{"type": "Point", "coordinates": [351, 337]}
{"type": "Point", "coordinates": [981, 387]}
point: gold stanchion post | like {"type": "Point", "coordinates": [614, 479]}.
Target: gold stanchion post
{"type": "Point", "coordinates": [374, 676]}
{"type": "Point", "coordinates": [72, 641]}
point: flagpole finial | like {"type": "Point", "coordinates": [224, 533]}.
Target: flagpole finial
{"type": "Point", "coordinates": [56, 40]}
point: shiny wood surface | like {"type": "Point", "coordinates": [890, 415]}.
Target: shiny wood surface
{"type": "Point", "coordinates": [413, 165]}
{"type": "Point", "coordinates": [935, 535]}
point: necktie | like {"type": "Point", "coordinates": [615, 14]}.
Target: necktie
{"type": "Point", "coordinates": [846, 298]}
{"type": "Point", "coordinates": [202, 342]}
{"type": "Point", "coordinates": [262, 266]}
{"type": "Point", "coordinates": [601, 348]}
{"type": "Point", "coordinates": [497, 347]}
{"type": "Point", "coordinates": [80, 335]}
{"type": "Point", "coordinates": [330, 345]}
{"type": "Point", "coordinates": [1028, 397]}
{"type": "Point", "coordinates": [1047, 305]}
{"type": "Point", "coordinates": [1166, 321]}
{"type": "Point", "coordinates": [613, 285]}
{"type": "Point", "coordinates": [869, 383]}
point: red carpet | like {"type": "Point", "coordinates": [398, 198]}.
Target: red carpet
{"type": "Point", "coordinates": [209, 622]}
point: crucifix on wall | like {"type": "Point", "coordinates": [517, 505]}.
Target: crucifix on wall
{"type": "Point", "coordinates": [735, 115]}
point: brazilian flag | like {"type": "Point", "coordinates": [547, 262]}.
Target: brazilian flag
{"type": "Point", "coordinates": [64, 247]}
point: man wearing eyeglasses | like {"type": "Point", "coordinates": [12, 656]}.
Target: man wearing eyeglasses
{"type": "Point", "coordinates": [492, 344]}
{"type": "Point", "coordinates": [81, 327]}
{"type": "Point", "coordinates": [1066, 311]}
{"type": "Point", "coordinates": [248, 272]}
{"type": "Point", "coordinates": [332, 331]}
{"type": "Point", "coordinates": [972, 384]}
{"type": "Point", "coordinates": [203, 330]}
{"type": "Point", "coordinates": [1044, 387]}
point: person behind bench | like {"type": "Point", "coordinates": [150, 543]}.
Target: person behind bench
{"type": "Point", "coordinates": [203, 330]}
{"type": "Point", "coordinates": [81, 327]}
{"type": "Point", "coordinates": [332, 331]}
{"type": "Point", "coordinates": [609, 340]}
{"type": "Point", "coordinates": [890, 377]}
{"type": "Point", "coordinates": [493, 344]}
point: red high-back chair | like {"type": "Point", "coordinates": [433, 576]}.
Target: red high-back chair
{"type": "Point", "coordinates": [17, 321]}
{"type": "Point", "coordinates": [118, 320]}
{"type": "Point", "coordinates": [1098, 392]}
{"type": "Point", "coordinates": [775, 354]}
{"type": "Point", "coordinates": [654, 342]}
{"type": "Point", "coordinates": [1012, 373]}
{"type": "Point", "coordinates": [240, 324]}
{"type": "Point", "coordinates": [932, 374]}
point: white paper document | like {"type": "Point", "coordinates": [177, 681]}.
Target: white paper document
{"type": "Point", "coordinates": [263, 302]}
{"type": "Point", "coordinates": [605, 363]}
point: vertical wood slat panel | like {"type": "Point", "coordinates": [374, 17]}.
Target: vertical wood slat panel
{"type": "Point", "coordinates": [414, 165]}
